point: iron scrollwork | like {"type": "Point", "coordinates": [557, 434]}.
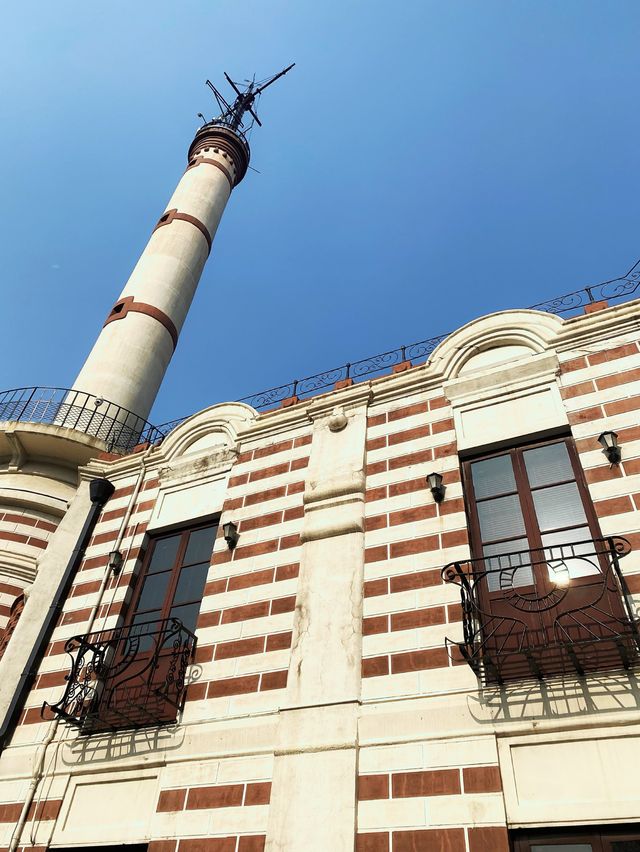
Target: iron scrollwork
{"type": "Point", "coordinates": [122, 429]}
{"type": "Point", "coordinates": [544, 612]}
{"type": "Point", "coordinates": [127, 677]}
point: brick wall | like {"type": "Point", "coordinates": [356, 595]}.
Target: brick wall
{"type": "Point", "coordinates": [408, 610]}
{"type": "Point", "coordinates": [427, 789]}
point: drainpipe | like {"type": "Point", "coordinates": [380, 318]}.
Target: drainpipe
{"type": "Point", "coordinates": [38, 771]}
{"type": "Point", "coordinates": [100, 490]}
{"type": "Point", "coordinates": [118, 542]}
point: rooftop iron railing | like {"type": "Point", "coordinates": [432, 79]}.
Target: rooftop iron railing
{"type": "Point", "coordinates": [613, 291]}
{"type": "Point", "coordinates": [122, 430]}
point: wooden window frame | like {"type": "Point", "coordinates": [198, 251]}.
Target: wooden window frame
{"type": "Point", "coordinates": [176, 569]}
{"type": "Point", "coordinates": [600, 837]}
{"type": "Point", "coordinates": [524, 491]}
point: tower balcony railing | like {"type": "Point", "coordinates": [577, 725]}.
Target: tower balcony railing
{"type": "Point", "coordinates": [559, 610]}
{"type": "Point", "coordinates": [128, 677]}
{"type": "Point", "coordinates": [120, 429]}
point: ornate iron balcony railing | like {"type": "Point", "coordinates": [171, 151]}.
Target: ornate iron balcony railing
{"type": "Point", "coordinates": [119, 428]}
{"type": "Point", "coordinates": [539, 613]}
{"type": "Point", "coordinates": [128, 677]}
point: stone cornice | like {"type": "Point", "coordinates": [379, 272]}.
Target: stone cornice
{"type": "Point", "coordinates": [593, 328]}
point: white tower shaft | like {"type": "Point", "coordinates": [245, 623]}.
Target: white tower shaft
{"type": "Point", "coordinates": [129, 359]}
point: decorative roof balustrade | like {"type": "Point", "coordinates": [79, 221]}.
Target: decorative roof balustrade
{"type": "Point", "coordinates": [127, 677]}
{"type": "Point", "coordinates": [561, 609]}
{"type": "Point", "coordinates": [615, 290]}
{"type": "Point", "coordinates": [122, 430]}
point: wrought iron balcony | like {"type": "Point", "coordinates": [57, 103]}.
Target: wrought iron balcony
{"type": "Point", "coordinates": [120, 429]}
{"type": "Point", "coordinates": [128, 677]}
{"type": "Point", "coordinates": [562, 609]}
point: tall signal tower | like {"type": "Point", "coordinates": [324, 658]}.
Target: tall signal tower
{"type": "Point", "coordinates": [129, 359]}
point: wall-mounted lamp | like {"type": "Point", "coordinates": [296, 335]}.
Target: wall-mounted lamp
{"type": "Point", "coordinates": [612, 451]}
{"type": "Point", "coordinates": [115, 561]}
{"type": "Point", "coordinates": [231, 536]}
{"type": "Point", "coordinates": [437, 488]}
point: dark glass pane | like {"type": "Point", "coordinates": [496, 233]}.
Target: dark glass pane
{"type": "Point", "coordinates": [506, 567]}
{"type": "Point", "coordinates": [625, 846]}
{"type": "Point", "coordinates": [563, 847]}
{"type": "Point", "coordinates": [500, 518]}
{"type": "Point", "coordinates": [143, 634]}
{"type": "Point", "coordinates": [164, 554]}
{"type": "Point", "coordinates": [200, 546]}
{"type": "Point", "coordinates": [188, 614]}
{"type": "Point", "coordinates": [546, 465]}
{"type": "Point", "coordinates": [493, 476]}
{"type": "Point", "coordinates": [191, 583]}
{"type": "Point", "coordinates": [154, 591]}
{"type": "Point", "coordinates": [559, 506]}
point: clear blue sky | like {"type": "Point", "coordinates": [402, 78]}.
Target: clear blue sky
{"type": "Point", "coordinates": [426, 162]}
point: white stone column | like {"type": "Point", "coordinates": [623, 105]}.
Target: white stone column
{"type": "Point", "coordinates": [131, 355]}
{"type": "Point", "coordinates": [51, 569]}
{"type": "Point", "coordinates": [313, 800]}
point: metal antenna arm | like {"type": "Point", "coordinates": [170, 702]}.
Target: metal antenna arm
{"type": "Point", "coordinates": [273, 79]}
{"type": "Point", "coordinates": [233, 113]}
{"type": "Point", "coordinates": [222, 102]}
{"type": "Point", "coordinates": [232, 84]}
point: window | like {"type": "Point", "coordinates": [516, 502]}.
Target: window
{"type": "Point", "coordinates": [135, 675]}
{"type": "Point", "coordinates": [542, 594]}
{"type": "Point", "coordinates": [611, 839]}
{"type": "Point", "coordinates": [530, 498]}
{"type": "Point", "coordinates": [173, 577]}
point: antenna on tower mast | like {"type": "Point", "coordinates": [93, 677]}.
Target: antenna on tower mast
{"type": "Point", "coordinates": [232, 115]}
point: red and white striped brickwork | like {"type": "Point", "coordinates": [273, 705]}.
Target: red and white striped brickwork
{"type": "Point", "coordinates": [244, 637]}
{"type": "Point", "coordinates": [601, 391]}
{"type": "Point", "coordinates": [408, 611]}
{"type": "Point", "coordinates": [418, 787]}
{"type": "Point", "coordinates": [23, 533]}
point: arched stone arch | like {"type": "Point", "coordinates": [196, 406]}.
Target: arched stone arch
{"type": "Point", "coordinates": [212, 430]}
{"type": "Point", "coordinates": [495, 339]}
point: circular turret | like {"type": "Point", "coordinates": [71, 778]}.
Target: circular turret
{"type": "Point", "coordinates": [225, 140]}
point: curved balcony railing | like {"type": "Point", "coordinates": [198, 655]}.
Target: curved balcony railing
{"type": "Point", "coordinates": [127, 677]}
{"type": "Point", "coordinates": [556, 610]}
{"type": "Point", "coordinates": [120, 429]}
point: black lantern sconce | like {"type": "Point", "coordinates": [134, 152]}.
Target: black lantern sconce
{"type": "Point", "coordinates": [115, 561]}
{"type": "Point", "coordinates": [231, 536]}
{"type": "Point", "coordinates": [612, 451]}
{"type": "Point", "coordinates": [437, 488]}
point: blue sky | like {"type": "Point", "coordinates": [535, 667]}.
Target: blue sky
{"type": "Point", "coordinates": [424, 163]}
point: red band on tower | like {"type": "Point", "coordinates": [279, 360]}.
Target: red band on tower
{"type": "Point", "coordinates": [124, 306]}
{"type": "Point", "coordinates": [171, 215]}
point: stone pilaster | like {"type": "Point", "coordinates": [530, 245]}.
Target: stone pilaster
{"type": "Point", "coordinates": [313, 802]}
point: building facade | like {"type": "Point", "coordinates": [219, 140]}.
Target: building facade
{"type": "Point", "coordinates": [396, 616]}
